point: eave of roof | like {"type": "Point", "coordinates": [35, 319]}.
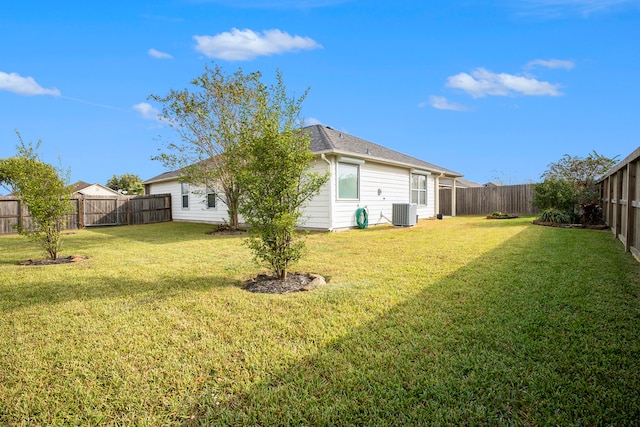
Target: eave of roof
{"type": "Point", "coordinates": [325, 140]}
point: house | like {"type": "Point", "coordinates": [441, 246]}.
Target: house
{"type": "Point", "coordinates": [86, 189]}
{"type": "Point", "coordinates": [460, 183]}
{"type": "Point", "coordinates": [362, 175]}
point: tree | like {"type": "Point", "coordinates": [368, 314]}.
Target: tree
{"type": "Point", "coordinates": [554, 193]}
{"type": "Point", "coordinates": [276, 179]}
{"type": "Point", "coordinates": [583, 172]}
{"type": "Point", "coordinates": [209, 120]}
{"type": "Point", "coordinates": [127, 183]}
{"type": "Point", "coordinates": [570, 186]}
{"type": "Point", "coordinates": [44, 192]}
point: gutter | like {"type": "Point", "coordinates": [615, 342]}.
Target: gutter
{"type": "Point", "coordinates": [384, 161]}
{"type": "Point", "coordinates": [331, 198]}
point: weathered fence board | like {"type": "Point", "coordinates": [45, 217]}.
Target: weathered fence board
{"type": "Point", "coordinates": [620, 194]}
{"type": "Point", "coordinates": [90, 211]}
{"type": "Point", "coordinates": [515, 199]}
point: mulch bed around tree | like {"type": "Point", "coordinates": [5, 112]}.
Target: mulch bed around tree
{"type": "Point", "coordinates": [295, 282]}
{"type": "Point", "coordinates": [222, 230]}
{"type": "Point", "coordinates": [49, 261]}
{"type": "Point", "coordinates": [587, 226]}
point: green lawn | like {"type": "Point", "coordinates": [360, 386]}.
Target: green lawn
{"type": "Point", "coordinates": [461, 321]}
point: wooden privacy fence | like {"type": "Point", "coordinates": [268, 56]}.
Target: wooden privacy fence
{"type": "Point", "coordinates": [515, 199]}
{"type": "Point", "coordinates": [91, 211]}
{"type": "Point", "coordinates": [620, 193]}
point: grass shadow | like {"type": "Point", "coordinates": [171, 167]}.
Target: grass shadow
{"type": "Point", "coordinates": [48, 292]}
{"type": "Point", "coordinates": [515, 337]}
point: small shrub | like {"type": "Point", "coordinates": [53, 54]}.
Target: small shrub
{"type": "Point", "coordinates": [591, 213]}
{"type": "Point", "coordinates": [556, 216]}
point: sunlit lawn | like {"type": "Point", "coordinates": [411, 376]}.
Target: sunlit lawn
{"type": "Point", "coordinates": [459, 321]}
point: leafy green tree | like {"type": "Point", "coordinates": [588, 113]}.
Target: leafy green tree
{"type": "Point", "coordinates": [45, 193]}
{"type": "Point", "coordinates": [209, 118]}
{"type": "Point", "coordinates": [127, 183]}
{"type": "Point", "coordinates": [581, 171]}
{"type": "Point", "coordinates": [276, 178]}
{"type": "Point", "coordinates": [554, 193]}
{"type": "Point", "coordinates": [570, 186]}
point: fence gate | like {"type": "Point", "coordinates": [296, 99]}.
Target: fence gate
{"type": "Point", "coordinates": [103, 211]}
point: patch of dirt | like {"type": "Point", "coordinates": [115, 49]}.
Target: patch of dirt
{"type": "Point", "coordinates": [503, 216]}
{"type": "Point", "coordinates": [295, 282]}
{"type": "Point", "coordinates": [49, 261]}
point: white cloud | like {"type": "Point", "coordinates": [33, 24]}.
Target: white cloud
{"type": "Point", "coordinates": [442, 103]}
{"type": "Point", "coordinates": [147, 111]}
{"type": "Point", "coordinates": [482, 82]}
{"type": "Point", "coordinates": [242, 45]}
{"type": "Point", "coordinates": [15, 83]}
{"type": "Point", "coordinates": [312, 121]}
{"type": "Point", "coordinates": [160, 55]}
{"type": "Point", "coordinates": [551, 63]}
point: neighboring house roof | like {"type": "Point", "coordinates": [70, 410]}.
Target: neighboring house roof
{"type": "Point", "coordinates": [79, 186]}
{"type": "Point", "coordinates": [460, 183]}
{"type": "Point", "coordinates": [96, 189]}
{"type": "Point", "coordinates": [325, 140]}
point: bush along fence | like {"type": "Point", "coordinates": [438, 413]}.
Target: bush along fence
{"type": "Point", "coordinates": [513, 199]}
{"type": "Point", "coordinates": [91, 211]}
{"type": "Point", "coordinates": [620, 193]}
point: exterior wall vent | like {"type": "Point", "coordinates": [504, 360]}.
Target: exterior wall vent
{"type": "Point", "coordinates": [404, 214]}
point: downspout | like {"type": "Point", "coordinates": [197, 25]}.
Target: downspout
{"type": "Point", "coordinates": [453, 197]}
{"type": "Point", "coordinates": [437, 191]}
{"type": "Point", "coordinates": [323, 157]}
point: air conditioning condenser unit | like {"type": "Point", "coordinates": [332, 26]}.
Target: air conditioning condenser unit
{"type": "Point", "coordinates": [404, 214]}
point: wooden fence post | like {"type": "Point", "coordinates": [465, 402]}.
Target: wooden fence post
{"type": "Point", "coordinates": [19, 213]}
{"type": "Point", "coordinates": [80, 202]}
{"type": "Point", "coordinates": [631, 191]}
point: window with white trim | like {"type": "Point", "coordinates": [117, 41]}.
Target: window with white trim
{"type": "Point", "coordinates": [184, 189]}
{"type": "Point", "coordinates": [418, 189]}
{"type": "Point", "coordinates": [348, 181]}
{"type": "Point", "coordinates": [211, 198]}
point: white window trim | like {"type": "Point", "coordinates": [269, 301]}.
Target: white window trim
{"type": "Point", "coordinates": [183, 194]}
{"type": "Point", "coordinates": [418, 190]}
{"type": "Point", "coordinates": [215, 198]}
{"type": "Point", "coordinates": [350, 162]}
{"type": "Point", "coordinates": [353, 161]}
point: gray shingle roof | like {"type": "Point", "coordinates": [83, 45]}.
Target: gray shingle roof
{"type": "Point", "coordinates": [329, 141]}
{"type": "Point", "coordinates": [164, 176]}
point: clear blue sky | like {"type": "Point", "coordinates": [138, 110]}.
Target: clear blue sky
{"type": "Point", "coordinates": [495, 90]}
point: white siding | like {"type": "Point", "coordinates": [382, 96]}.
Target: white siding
{"type": "Point", "coordinates": [317, 213]}
{"type": "Point", "coordinates": [394, 186]}
{"type": "Point", "coordinates": [97, 190]}
{"type": "Point", "coordinates": [429, 210]}
{"type": "Point", "coordinates": [325, 211]}
{"type": "Point", "coordinates": [197, 210]}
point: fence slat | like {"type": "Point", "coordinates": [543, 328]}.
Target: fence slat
{"type": "Point", "coordinates": [514, 199]}
{"type": "Point", "coordinates": [94, 211]}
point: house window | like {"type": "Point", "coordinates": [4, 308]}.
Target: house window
{"type": "Point", "coordinates": [348, 181]}
{"type": "Point", "coordinates": [418, 189]}
{"type": "Point", "coordinates": [184, 189]}
{"type": "Point", "coordinates": [211, 198]}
